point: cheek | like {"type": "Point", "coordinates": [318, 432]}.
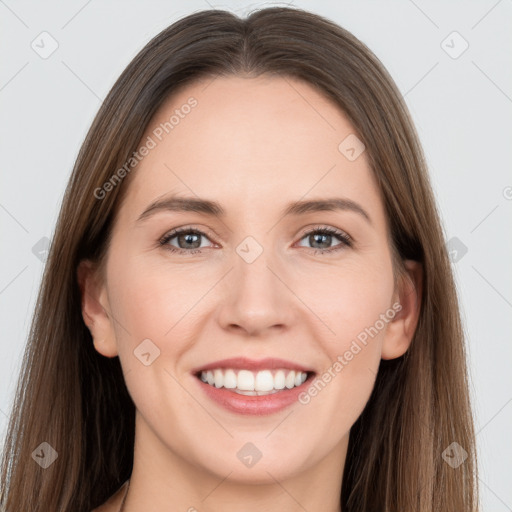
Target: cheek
{"type": "Point", "coordinates": [360, 303]}
{"type": "Point", "coordinates": [148, 299]}
{"type": "Point", "coordinates": [348, 298]}
{"type": "Point", "coordinates": [147, 304]}
{"type": "Point", "coordinates": [353, 304]}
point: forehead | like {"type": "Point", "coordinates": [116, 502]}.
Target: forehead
{"type": "Point", "coordinates": [260, 139]}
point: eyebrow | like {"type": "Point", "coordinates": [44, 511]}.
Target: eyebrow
{"type": "Point", "coordinates": [214, 209]}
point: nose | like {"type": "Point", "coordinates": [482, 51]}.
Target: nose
{"type": "Point", "coordinates": [256, 298]}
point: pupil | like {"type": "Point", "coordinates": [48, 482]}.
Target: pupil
{"type": "Point", "coordinates": [189, 240]}
{"type": "Point", "coordinates": [324, 237]}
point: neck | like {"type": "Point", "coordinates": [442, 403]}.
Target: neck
{"type": "Point", "coordinates": [162, 477]}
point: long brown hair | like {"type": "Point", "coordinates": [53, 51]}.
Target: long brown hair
{"type": "Point", "coordinates": [74, 399]}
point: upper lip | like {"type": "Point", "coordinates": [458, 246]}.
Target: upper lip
{"type": "Point", "coordinates": [244, 363]}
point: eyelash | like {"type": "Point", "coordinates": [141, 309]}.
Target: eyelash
{"type": "Point", "coordinates": [346, 240]}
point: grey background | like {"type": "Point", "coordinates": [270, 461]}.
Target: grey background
{"type": "Point", "coordinates": [461, 106]}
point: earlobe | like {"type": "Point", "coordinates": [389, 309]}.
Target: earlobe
{"type": "Point", "coordinates": [95, 309]}
{"type": "Point", "coordinates": [400, 330]}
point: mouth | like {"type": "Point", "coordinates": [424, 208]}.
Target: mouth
{"type": "Point", "coordinates": [250, 383]}
{"type": "Point", "coordinates": [247, 386]}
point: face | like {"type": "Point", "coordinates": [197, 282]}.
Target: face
{"type": "Point", "coordinates": [263, 285]}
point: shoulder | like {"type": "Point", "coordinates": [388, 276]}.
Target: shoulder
{"type": "Point", "coordinates": [114, 502]}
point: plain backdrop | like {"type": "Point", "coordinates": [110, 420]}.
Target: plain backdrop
{"type": "Point", "coordinates": [450, 60]}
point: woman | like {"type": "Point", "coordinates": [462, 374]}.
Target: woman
{"type": "Point", "coordinates": [247, 302]}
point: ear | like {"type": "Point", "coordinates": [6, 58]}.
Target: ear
{"type": "Point", "coordinates": [407, 302]}
{"type": "Point", "coordinates": [95, 308]}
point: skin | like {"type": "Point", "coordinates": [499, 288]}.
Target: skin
{"type": "Point", "coordinates": [253, 145]}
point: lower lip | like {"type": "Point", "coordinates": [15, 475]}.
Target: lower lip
{"type": "Point", "coordinates": [255, 405]}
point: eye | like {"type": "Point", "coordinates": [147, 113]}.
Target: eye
{"type": "Point", "coordinates": [321, 238]}
{"type": "Point", "coordinates": [187, 240]}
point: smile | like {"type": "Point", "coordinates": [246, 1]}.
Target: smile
{"type": "Point", "coordinates": [250, 383]}
{"type": "Point", "coordinates": [253, 387]}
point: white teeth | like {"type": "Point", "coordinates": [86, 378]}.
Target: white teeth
{"type": "Point", "coordinates": [219, 378]}
{"type": "Point", "coordinates": [290, 380]}
{"type": "Point", "coordinates": [250, 383]}
{"type": "Point", "coordinates": [264, 381]}
{"type": "Point", "coordinates": [230, 379]}
{"type": "Point", "coordinates": [279, 380]}
{"type": "Point", "coordinates": [245, 380]}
